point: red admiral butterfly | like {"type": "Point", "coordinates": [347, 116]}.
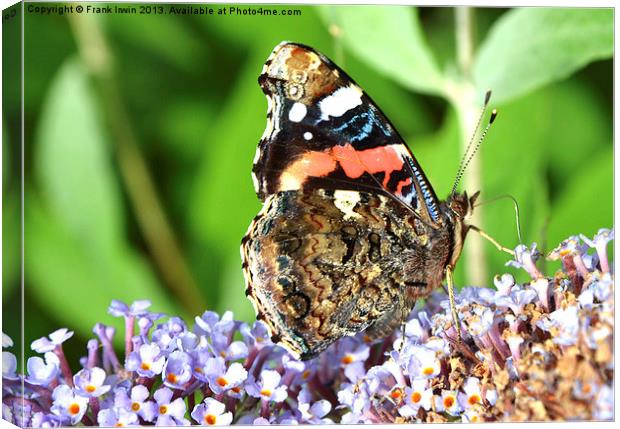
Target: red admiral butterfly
{"type": "Point", "coordinates": [351, 232]}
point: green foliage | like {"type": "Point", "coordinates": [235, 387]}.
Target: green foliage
{"type": "Point", "coordinates": [77, 257]}
{"type": "Point", "coordinates": [530, 47]}
{"type": "Point", "coordinates": [193, 103]}
{"type": "Point", "coordinates": [390, 39]}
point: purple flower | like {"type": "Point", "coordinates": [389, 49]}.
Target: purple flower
{"type": "Point", "coordinates": [602, 237]}
{"type": "Point", "coordinates": [68, 404]}
{"type": "Point", "coordinates": [6, 341]}
{"type": "Point", "coordinates": [117, 417]}
{"type": "Point", "coordinates": [504, 283]}
{"type": "Point", "coordinates": [222, 379]}
{"type": "Point", "coordinates": [89, 382]}
{"type": "Point", "coordinates": [178, 370]}
{"type": "Point", "coordinates": [315, 413]}
{"type": "Point", "coordinates": [221, 346]}
{"type": "Point", "coordinates": [517, 300]}
{"type": "Point", "coordinates": [9, 366]}
{"type": "Point", "coordinates": [423, 363]}
{"type": "Point", "coordinates": [526, 258]}
{"type": "Point", "coordinates": [267, 388]}
{"type": "Point", "coordinates": [43, 372]}
{"type": "Point", "coordinates": [42, 420]}
{"type": "Point", "coordinates": [417, 396]}
{"type": "Point", "coordinates": [471, 395]}
{"type": "Point", "coordinates": [211, 413]}
{"type": "Point", "coordinates": [137, 402]}
{"type": "Point", "coordinates": [448, 402]}
{"type": "Point", "coordinates": [352, 354]}
{"type": "Point", "coordinates": [147, 362]}
{"type": "Point", "coordinates": [56, 338]}
{"type": "Point", "coordinates": [258, 336]}
{"type": "Point", "coordinates": [137, 308]}
{"type": "Point", "coordinates": [169, 413]}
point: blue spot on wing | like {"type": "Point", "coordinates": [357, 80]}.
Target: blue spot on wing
{"type": "Point", "coordinates": [360, 126]}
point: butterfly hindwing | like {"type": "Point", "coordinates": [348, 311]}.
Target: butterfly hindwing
{"type": "Point", "coordinates": [324, 132]}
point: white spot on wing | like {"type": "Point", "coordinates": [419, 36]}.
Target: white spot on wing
{"type": "Point", "coordinates": [346, 201]}
{"type": "Point", "coordinates": [256, 155]}
{"type": "Point", "coordinates": [308, 135]}
{"type": "Point", "coordinates": [297, 112]}
{"type": "Point", "coordinates": [340, 102]}
{"type": "Point", "coordinates": [255, 182]}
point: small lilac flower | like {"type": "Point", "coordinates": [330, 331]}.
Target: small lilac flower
{"type": "Point", "coordinates": [89, 382]}
{"type": "Point", "coordinates": [352, 356]}
{"type": "Point", "coordinates": [9, 366]}
{"type": "Point", "coordinates": [56, 338]}
{"type": "Point", "coordinates": [6, 341]}
{"type": "Point", "coordinates": [211, 413]}
{"type": "Point", "coordinates": [169, 413]}
{"type": "Point", "coordinates": [315, 413]}
{"type": "Point", "coordinates": [472, 395]}
{"type": "Point", "coordinates": [504, 283]}
{"type": "Point", "coordinates": [43, 372]}
{"type": "Point", "coordinates": [137, 402]}
{"type": "Point", "coordinates": [177, 370]}
{"type": "Point", "coordinates": [258, 336]}
{"type": "Point", "coordinates": [417, 396]}
{"type": "Point", "coordinates": [526, 258]}
{"type": "Point", "coordinates": [471, 416]}
{"type": "Point", "coordinates": [448, 402]}
{"type": "Point", "coordinates": [137, 308]}
{"type": "Point", "coordinates": [602, 237]}
{"type": "Point", "coordinates": [567, 322]}
{"type": "Point", "coordinates": [221, 346]}
{"type": "Point", "coordinates": [147, 362]}
{"type": "Point", "coordinates": [222, 379]}
{"type": "Point", "coordinates": [68, 404]}
{"type": "Point", "coordinates": [42, 420]}
{"type": "Point", "coordinates": [517, 300]}
{"type": "Point", "coordinates": [541, 287]}
{"type": "Point", "coordinates": [423, 363]}
{"type": "Point", "coordinates": [585, 390]}
{"type": "Point", "coordinates": [117, 417]}
{"type": "Point", "coordinates": [268, 388]}
{"type": "Point", "coordinates": [357, 400]}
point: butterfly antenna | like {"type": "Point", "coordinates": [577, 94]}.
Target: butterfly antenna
{"type": "Point", "coordinates": [463, 164]}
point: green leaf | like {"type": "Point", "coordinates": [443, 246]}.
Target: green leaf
{"type": "Point", "coordinates": [389, 39]}
{"type": "Point", "coordinates": [73, 161]}
{"type": "Point", "coordinates": [531, 47]}
{"type": "Point", "coordinates": [77, 254]}
{"type": "Point", "coordinates": [75, 286]}
{"type": "Point", "coordinates": [587, 202]}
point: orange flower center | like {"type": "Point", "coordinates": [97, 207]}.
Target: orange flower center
{"type": "Point", "coordinates": [265, 392]}
{"type": "Point", "coordinates": [474, 399]}
{"type": "Point", "coordinates": [474, 418]}
{"type": "Point", "coordinates": [222, 381]}
{"type": "Point", "coordinates": [74, 409]}
{"type": "Point", "coordinates": [198, 370]}
{"type": "Point", "coordinates": [118, 425]}
{"type": "Point", "coordinates": [306, 374]}
{"type": "Point", "coordinates": [163, 409]}
{"type": "Point", "coordinates": [135, 406]}
{"type": "Point", "coordinates": [396, 394]}
{"type": "Point", "coordinates": [90, 388]}
{"type": "Point", "coordinates": [171, 378]}
{"type": "Point", "coordinates": [223, 354]}
{"type": "Point", "coordinates": [236, 389]}
{"type": "Point", "coordinates": [347, 359]}
{"type": "Point", "coordinates": [448, 401]}
{"type": "Point", "coordinates": [145, 366]}
{"type": "Point", "coordinates": [586, 388]}
{"type": "Point", "coordinates": [416, 397]}
{"type": "Point", "coordinates": [210, 419]}
{"type": "Point", "coordinates": [428, 370]}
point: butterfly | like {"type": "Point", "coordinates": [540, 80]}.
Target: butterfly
{"type": "Point", "coordinates": [351, 233]}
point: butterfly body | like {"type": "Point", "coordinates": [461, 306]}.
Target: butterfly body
{"type": "Point", "coordinates": [351, 233]}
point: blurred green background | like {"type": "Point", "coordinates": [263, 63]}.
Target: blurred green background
{"type": "Point", "coordinates": [140, 132]}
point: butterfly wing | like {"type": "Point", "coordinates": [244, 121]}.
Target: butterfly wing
{"type": "Point", "coordinates": [322, 264]}
{"type": "Point", "coordinates": [324, 132]}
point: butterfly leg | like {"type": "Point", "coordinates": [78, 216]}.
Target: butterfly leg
{"type": "Point", "coordinates": [491, 240]}
{"type": "Point", "coordinates": [455, 317]}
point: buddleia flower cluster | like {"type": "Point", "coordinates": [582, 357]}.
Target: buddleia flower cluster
{"type": "Point", "coordinates": [532, 351]}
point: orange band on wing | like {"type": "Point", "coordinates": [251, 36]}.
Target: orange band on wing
{"type": "Point", "coordinates": [354, 163]}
